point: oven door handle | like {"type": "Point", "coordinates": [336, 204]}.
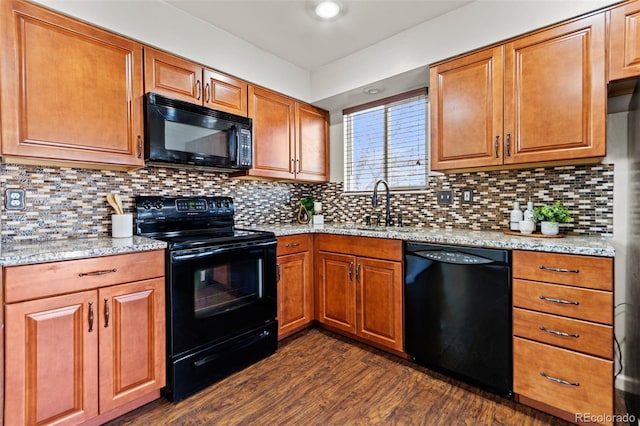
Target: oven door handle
{"type": "Point", "coordinates": [195, 254]}
{"type": "Point", "coordinates": [176, 256]}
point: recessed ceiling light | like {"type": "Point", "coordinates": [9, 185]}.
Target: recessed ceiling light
{"type": "Point", "coordinates": [373, 90]}
{"type": "Point", "coordinates": [327, 9]}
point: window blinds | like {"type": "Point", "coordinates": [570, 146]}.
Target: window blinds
{"type": "Point", "coordinates": [387, 140]}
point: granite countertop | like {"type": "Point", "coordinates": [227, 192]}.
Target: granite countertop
{"type": "Point", "coordinates": [22, 253]}
{"type": "Point", "coordinates": [582, 245]}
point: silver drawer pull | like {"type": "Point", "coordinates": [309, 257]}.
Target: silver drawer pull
{"type": "Point", "coordinates": [546, 268]}
{"type": "Point", "coordinates": [292, 245]}
{"type": "Point", "coordinates": [559, 333]}
{"type": "Point", "coordinates": [556, 380]}
{"type": "Point", "coordinates": [561, 301]}
{"type": "Point", "coordinates": [95, 273]}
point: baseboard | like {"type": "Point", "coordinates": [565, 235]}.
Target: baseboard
{"type": "Point", "coordinates": [628, 384]}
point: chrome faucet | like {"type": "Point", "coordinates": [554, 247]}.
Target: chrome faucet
{"type": "Point", "coordinates": [374, 201]}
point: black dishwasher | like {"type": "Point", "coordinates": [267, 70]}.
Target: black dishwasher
{"type": "Point", "coordinates": [458, 313]}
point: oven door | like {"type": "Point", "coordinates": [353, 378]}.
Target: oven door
{"type": "Point", "coordinates": [218, 292]}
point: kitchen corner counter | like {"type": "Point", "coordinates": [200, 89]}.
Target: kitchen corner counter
{"type": "Point", "coordinates": [22, 253]}
{"type": "Point", "coordinates": [581, 245]}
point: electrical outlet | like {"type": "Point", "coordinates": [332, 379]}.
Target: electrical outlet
{"type": "Point", "coordinates": [14, 199]}
{"type": "Point", "coordinates": [445, 197]}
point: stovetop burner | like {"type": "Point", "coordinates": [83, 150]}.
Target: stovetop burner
{"type": "Point", "coordinates": [191, 222]}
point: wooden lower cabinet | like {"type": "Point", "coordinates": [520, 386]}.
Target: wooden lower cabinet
{"type": "Point", "coordinates": [295, 284]}
{"type": "Point", "coordinates": [52, 366]}
{"type": "Point", "coordinates": [563, 334]}
{"type": "Point", "coordinates": [361, 295]}
{"type": "Point", "coordinates": [83, 356]}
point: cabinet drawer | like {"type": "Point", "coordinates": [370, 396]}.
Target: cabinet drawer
{"type": "Point", "coordinates": [26, 282]}
{"type": "Point", "coordinates": [294, 244]}
{"type": "Point", "coordinates": [582, 336]}
{"type": "Point", "coordinates": [579, 271]}
{"type": "Point", "coordinates": [376, 248]}
{"type": "Point", "coordinates": [590, 388]}
{"type": "Point", "coordinates": [580, 303]}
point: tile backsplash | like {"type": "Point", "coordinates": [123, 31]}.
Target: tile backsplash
{"type": "Point", "coordinates": [68, 202]}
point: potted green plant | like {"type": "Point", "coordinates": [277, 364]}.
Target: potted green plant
{"type": "Point", "coordinates": [550, 216]}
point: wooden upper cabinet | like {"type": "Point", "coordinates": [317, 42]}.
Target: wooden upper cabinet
{"type": "Point", "coordinates": [273, 118]}
{"type": "Point", "coordinates": [555, 93]}
{"type": "Point", "coordinates": [466, 111]}
{"type": "Point", "coordinates": [312, 148]}
{"type": "Point", "coordinates": [290, 138]}
{"type": "Point", "coordinates": [624, 41]}
{"type": "Point", "coordinates": [537, 98]}
{"type": "Point", "coordinates": [178, 78]}
{"type": "Point", "coordinates": [70, 92]}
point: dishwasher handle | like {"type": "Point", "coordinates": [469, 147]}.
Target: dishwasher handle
{"type": "Point", "coordinates": [453, 257]}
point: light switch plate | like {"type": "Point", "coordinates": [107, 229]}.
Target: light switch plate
{"type": "Point", "coordinates": [467, 195]}
{"type": "Point", "coordinates": [445, 197]}
{"type": "Point", "coordinates": [14, 199]}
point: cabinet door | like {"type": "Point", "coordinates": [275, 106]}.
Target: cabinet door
{"type": "Point", "coordinates": [312, 143]}
{"type": "Point", "coordinates": [624, 41]}
{"type": "Point", "coordinates": [466, 111]}
{"type": "Point", "coordinates": [555, 93]}
{"type": "Point", "coordinates": [295, 293]}
{"type": "Point", "coordinates": [51, 369]}
{"type": "Point", "coordinates": [172, 76]}
{"type": "Point", "coordinates": [132, 341]}
{"type": "Point", "coordinates": [225, 93]}
{"type": "Point", "coordinates": [379, 307]}
{"type": "Point", "coordinates": [70, 92]}
{"type": "Point", "coordinates": [273, 134]}
{"type": "Point", "coordinates": [337, 292]}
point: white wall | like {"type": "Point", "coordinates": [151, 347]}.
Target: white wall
{"type": "Point", "coordinates": [159, 24]}
{"type": "Point", "coordinates": [467, 28]}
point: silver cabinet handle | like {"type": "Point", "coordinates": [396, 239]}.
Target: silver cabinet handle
{"type": "Point", "coordinates": [546, 268]}
{"type": "Point", "coordinates": [293, 166]}
{"type": "Point", "coordinates": [199, 89]}
{"type": "Point", "coordinates": [559, 333]}
{"type": "Point", "coordinates": [496, 145]}
{"type": "Point", "coordinates": [292, 245]}
{"type": "Point", "coordinates": [358, 273]}
{"type": "Point", "coordinates": [556, 380]}
{"type": "Point", "coordinates": [139, 146]}
{"type": "Point", "coordinates": [350, 271]}
{"type": "Point", "coordinates": [298, 163]}
{"type": "Point", "coordinates": [96, 273]}
{"type": "Point", "coordinates": [208, 90]}
{"type": "Point", "coordinates": [106, 312]}
{"type": "Point", "coordinates": [561, 301]}
{"type": "Point", "coordinates": [90, 317]}
{"type": "Point", "coordinates": [508, 144]}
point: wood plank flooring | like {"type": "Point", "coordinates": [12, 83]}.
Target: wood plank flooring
{"type": "Point", "coordinates": [319, 378]}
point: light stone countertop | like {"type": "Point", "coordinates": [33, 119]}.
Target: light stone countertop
{"type": "Point", "coordinates": [22, 253]}
{"type": "Point", "coordinates": [581, 245]}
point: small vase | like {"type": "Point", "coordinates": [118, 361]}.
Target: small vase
{"type": "Point", "coordinates": [549, 228]}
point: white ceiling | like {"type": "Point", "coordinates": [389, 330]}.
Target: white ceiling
{"type": "Point", "coordinates": [288, 29]}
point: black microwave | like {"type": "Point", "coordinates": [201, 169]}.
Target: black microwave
{"type": "Point", "coordinates": [181, 134]}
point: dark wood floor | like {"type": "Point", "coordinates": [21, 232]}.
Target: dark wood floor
{"type": "Point", "coordinates": [319, 378]}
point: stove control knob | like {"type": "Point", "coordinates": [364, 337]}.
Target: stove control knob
{"type": "Point", "coordinates": [146, 205]}
{"type": "Point", "coordinates": [226, 203]}
{"type": "Point", "coordinates": [157, 205]}
{"type": "Point", "coordinates": [218, 204]}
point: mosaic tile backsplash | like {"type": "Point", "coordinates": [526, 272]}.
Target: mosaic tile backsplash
{"type": "Point", "coordinates": [68, 202]}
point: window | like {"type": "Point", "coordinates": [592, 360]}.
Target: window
{"type": "Point", "coordinates": [387, 139]}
